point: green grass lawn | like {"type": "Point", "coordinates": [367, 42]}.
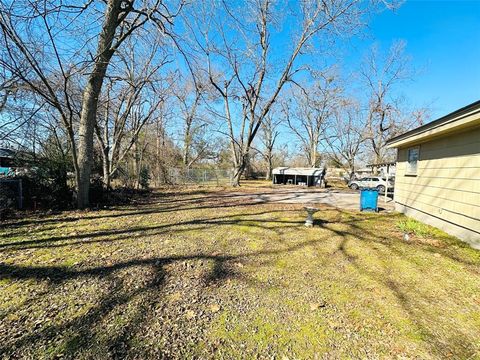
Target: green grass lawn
{"type": "Point", "coordinates": [188, 274]}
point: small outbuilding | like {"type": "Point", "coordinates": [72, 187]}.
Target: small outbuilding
{"type": "Point", "coordinates": [299, 176]}
{"type": "Point", "coordinates": [438, 173]}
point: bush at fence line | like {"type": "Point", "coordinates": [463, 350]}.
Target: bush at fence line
{"type": "Point", "coordinates": [100, 197]}
{"type": "Point", "coordinates": [7, 199]}
{"type": "Point", "coordinates": [42, 191]}
{"type": "Point", "coordinates": [144, 180]}
{"type": "Point", "coordinates": [44, 184]}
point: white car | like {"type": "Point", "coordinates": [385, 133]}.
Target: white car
{"type": "Point", "coordinates": [376, 182]}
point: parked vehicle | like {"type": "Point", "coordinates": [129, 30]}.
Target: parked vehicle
{"type": "Point", "coordinates": [376, 182]}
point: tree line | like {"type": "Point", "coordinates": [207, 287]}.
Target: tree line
{"type": "Point", "coordinates": [130, 88]}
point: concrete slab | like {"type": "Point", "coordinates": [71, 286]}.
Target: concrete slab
{"type": "Point", "coordinates": [343, 199]}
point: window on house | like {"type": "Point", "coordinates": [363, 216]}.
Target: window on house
{"type": "Point", "coordinates": [412, 160]}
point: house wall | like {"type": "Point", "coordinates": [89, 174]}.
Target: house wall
{"type": "Point", "coordinates": [446, 190]}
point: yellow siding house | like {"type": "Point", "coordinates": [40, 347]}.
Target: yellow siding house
{"type": "Point", "coordinates": [438, 173]}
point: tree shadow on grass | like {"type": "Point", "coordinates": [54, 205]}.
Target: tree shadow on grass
{"type": "Point", "coordinates": [129, 233]}
{"type": "Point", "coordinates": [85, 331]}
{"type": "Point", "coordinates": [181, 202]}
{"type": "Point", "coordinates": [82, 332]}
{"type": "Point", "coordinates": [416, 308]}
{"type": "Point", "coordinates": [118, 214]}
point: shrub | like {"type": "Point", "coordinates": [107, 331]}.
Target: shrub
{"type": "Point", "coordinates": [144, 179]}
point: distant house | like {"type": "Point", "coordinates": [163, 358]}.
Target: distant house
{"type": "Point", "coordinates": [14, 162]}
{"type": "Point", "coordinates": [363, 172]}
{"type": "Point", "coordinates": [383, 169]}
{"type": "Point", "coordinates": [299, 176]}
{"type": "Point", "coordinates": [438, 173]}
{"type": "Point", "coordinates": [7, 161]}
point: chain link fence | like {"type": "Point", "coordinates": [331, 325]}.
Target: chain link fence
{"type": "Point", "coordinates": [199, 176]}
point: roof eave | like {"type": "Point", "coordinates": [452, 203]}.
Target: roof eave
{"type": "Point", "coordinates": [461, 119]}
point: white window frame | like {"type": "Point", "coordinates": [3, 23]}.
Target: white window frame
{"type": "Point", "coordinates": [412, 169]}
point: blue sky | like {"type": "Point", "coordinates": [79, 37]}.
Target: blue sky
{"type": "Point", "coordinates": [443, 42]}
{"type": "Point", "coordinates": [443, 39]}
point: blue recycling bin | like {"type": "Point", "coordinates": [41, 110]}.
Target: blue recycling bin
{"type": "Point", "coordinates": [369, 199]}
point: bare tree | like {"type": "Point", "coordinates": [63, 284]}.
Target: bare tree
{"type": "Point", "coordinates": [115, 14]}
{"type": "Point", "coordinates": [245, 74]}
{"type": "Point", "coordinates": [307, 113]}
{"type": "Point", "coordinates": [167, 155]}
{"type": "Point", "coordinates": [34, 34]}
{"type": "Point", "coordinates": [268, 136]}
{"type": "Point", "coordinates": [7, 85]}
{"type": "Point", "coordinates": [132, 98]}
{"type": "Point", "coordinates": [189, 113]}
{"type": "Point", "coordinates": [385, 116]}
{"type": "Point", "coordinates": [117, 27]}
{"type": "Point", "coordinates": [190, 96]}
{"type": "Point", "coordinates": [17, 23]}
{"type": "Point", "coordinates": [346, 135]}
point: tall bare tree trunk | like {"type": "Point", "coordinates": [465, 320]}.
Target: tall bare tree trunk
{"type": "Point", "coordinates": [313, 156]}
{"type": "Point", "coordinates": [268, 176]}
{"type": "Point", "coordinates": [157, 159]}
{"type": "Point", "coordinates": [248, 171]}
{"type": "Point", "coordinates": [136, 162]}
{"type": "Point", "coordinates": [239, 167]}
{"type": "Point", "coordinates": [91, 95]}
{"type": "Point", "coordinates": [187, 142]}
{"type": "Point", "coordinates": [106, 168]}
{"type": "Point", "coordinates": [237, 173]}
